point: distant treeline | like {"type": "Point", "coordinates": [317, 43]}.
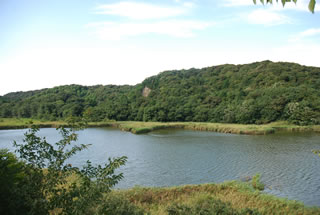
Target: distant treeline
{"type": "Point", "coordinates": [256, 93]}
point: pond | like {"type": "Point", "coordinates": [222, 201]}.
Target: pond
{"type": "Point", "coordinates": [173, 157]}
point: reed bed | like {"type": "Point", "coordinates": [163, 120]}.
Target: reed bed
{"type": "Point", "coordinates": [146, 127]}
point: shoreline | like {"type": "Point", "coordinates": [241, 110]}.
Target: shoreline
{"type": "Point", "coordinates": [146, 127]}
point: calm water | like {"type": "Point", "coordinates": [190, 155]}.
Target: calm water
{"type": "Point", "coordinates": [176, 157]}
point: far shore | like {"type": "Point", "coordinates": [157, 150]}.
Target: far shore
{"type": "Point", "coordinates": [146, 127]}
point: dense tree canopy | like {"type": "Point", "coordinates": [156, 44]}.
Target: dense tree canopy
{"type": "Point", "coordinates": [311, 6]}
{"type": "Point", "coordinates": [258, 93]}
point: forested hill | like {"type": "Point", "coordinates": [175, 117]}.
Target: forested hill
{"type": "Point", "coordinates": [258, 93]}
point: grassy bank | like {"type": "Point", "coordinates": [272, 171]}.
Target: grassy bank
{"type": "Point", "coordinates": [226, 198]}
{"type": "Point", "coordinates": [19, 123]}
{"type": "Point", "coordinates": [145, 127]}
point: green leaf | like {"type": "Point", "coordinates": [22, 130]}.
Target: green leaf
{"type": "Point", "coordinates": [255, 1]}
{"type": "Point", "coordinates": [312, 4]}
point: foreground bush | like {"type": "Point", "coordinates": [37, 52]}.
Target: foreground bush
{"type": "Point", "coordinates": [51, 185]}
{"type": "Point", "coordinates": [12, 179]}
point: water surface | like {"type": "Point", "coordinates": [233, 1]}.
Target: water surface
{"type": "Point", "coordinates": [176, 157]}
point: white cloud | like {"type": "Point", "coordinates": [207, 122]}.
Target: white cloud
{"type": "Point", "coordinates": [307, 33]}
{"type": "Point", "coordinates": [188, 4]}
{"type": "Point", "coordinates": [146, 18]}
{"type": "Point", "coordinates": [267, 17]}
{"type": "Point", "coordinates": [235, 3]}
{"type": "Point", "coordinates": [310, 32]}
{"type": "Point", "coordinates": [134, 10]}
{"type": "Point", "coordinates": [174, 28]}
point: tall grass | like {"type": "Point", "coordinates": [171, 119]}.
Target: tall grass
{"type": "Point", "coordinates": [18, 123]}
{"type": "Point", "coordinates": [145, 127]}
{"type": "Point", "coordinates": [226, 198]}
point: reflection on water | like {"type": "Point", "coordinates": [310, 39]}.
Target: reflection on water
{"type": "Point", "coordinates": [175, 157]}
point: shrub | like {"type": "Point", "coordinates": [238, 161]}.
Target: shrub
{"type": "Point", "coordinates": [207, 205]}
{"type": "Point", "coordinates": [55, 186]}
{"type": "Point", "coordinates": [213, 206]}
{"type": "Point", "coordinates": [256, 184]}
{"type": "Point", "coordinates": [177, 209]}
{"type": "Point", "coordinates": [117, 205]}
{"type": "Point", "coordinates": [12, 177]}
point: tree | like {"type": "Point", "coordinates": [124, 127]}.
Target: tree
{"type": "Point", "coordinates": [311, 6]}
{"type": "Point", "coordinates": [201, 95]}
{"type": "Point", "coordinates": [55, 186]}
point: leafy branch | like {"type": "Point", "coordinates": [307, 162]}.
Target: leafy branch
{"type": "Point", "coordinates": [311, 6]}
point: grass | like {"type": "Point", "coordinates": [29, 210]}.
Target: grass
{"type": "Point", "coordinates": [228, 198]}
{"type": "Point", "coordinates": [145, 127]}
{"type": "Point", "coordinates": [18, 123]}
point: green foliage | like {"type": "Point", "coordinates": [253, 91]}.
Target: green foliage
{"type": "Point", "coordinates": [311, 6]}
{"type": "Point", "coordinates": [302, 114]}
{"type": "Point", "coordinates": [12, 180]}
{"type": "Point", "coordinates": [206, 206]}
{"type": "Point", "coordinates": [56, 186]}
{"type": "Point", "coordinates": [116, 205]}
{"type": "Point", "coordinates": [94, 114]}
{"type": "Point", "coordinates": [317, 152]}
{"type": "Point", "coordinates": [256, 93]}
{"type": "Point", "coordinates": [256, 183]}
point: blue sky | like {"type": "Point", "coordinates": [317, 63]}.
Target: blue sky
{"type": "Point", "coordinates": [46, 43]}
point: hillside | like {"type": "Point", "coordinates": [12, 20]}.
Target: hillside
{"type": "Point", "coordinates": [254, 93]}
